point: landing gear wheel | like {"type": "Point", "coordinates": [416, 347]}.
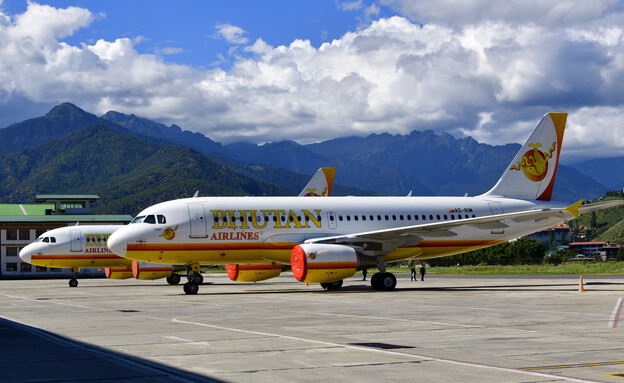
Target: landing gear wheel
{"type": "Point", "coordinates": [388, 281]}
{"type": "Point", "coordinates": [196, 277]}
{"type": "Point", "coordinates": [73, 282]}
{"type": "Point", "coordinates": [334, 285]}
{"type": "Point", "coordinates": [325, 286]}
{"type": "Point", "coordinates": [375, 281]}
{"type": "Point", "coordinates": [191, 288]}
{"type": "Point", "coordinates": [174, 279]}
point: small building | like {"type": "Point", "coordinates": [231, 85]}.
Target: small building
{"type": "Point", "coordinates": [560, 234]}
{"type": "Point", "coordinates": [21, 224]}
{"type": "Point", "coordinates": [587, 248]}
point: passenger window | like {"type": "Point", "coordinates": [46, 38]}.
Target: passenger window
{"type": "Point", "coordinates": [371, 217]}
{"type": "Point", "coordinates": [378, 218]}
{"type": "Point", "coordinates": [424, 217]}
{"type": "Point", "coordinates": [415, 217]}
{"type": "Point", "coordinates": [387, 218]}
{"type": "Point", "coordinates": [340, 218]}
{"type": "Point", "coordinates": [438, 216]}
{"type": "Point", "coordinates": [459, 216]}
{"type": "Point", "coordinates": [445, 217]}
{"type": "Point", "coordinates": [393, 217]}
{"type": "Point", "coordinates": [409, 217]}
{"type": "Point", "coordinates": [430, 217]}
{"type": "Point", "coordinates": [355, 217]}
{"type": "Point", "coordinates": [161, 219]}
{"type": "Point", "coordinates": [363, 217]}
{"type": "Point", "coordinates": [452, 216]}
{"type": "Point", "coordinates": [401, 217]}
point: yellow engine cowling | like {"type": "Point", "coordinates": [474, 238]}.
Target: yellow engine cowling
{"type": "Point", "coordinates": [253, 273]}
{"type": "Point", "coordinates": [118, 272]}
{"type": "Point", "coordinates": [149, 271]}
{"type": "Point", "coordinates": [322, 263]}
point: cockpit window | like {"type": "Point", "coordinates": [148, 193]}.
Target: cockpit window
{"type": "Point", "coordinates": [53, 239]}
{"type": "Point", "coordinates": [161, 219]}
{"type": "Point", "coordinates": [138, 219]}
{"type": "Point", "coordinates": [149, 219]}
{"type": "Point", "coordinates": [46, 239]}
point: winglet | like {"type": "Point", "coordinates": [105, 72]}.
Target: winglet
{"type": "Point", "coordinates": [574, 209]}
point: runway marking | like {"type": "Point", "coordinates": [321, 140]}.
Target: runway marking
{"type": "Point", "coordinates": [395, 319]}
{"type": "Point", "coordinates": [615, 315]}
{"type": "Point", "coordinates": [45, 301]}
{"type": "Point", "coordinates": [382, 351]}
{"type": "Point", "coordinates": [187, 341]}
{"type": "Point", "coordinates": [572, 366]}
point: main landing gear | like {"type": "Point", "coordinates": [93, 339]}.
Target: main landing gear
{"type": "Point", "coordinates": [383, 280]}
{"type": "Point", "coordinates": [194, 280]}
{"type": "Point", "coordinates": [73, 282]}
{"type": "Point", "coordinates": [173, 279]}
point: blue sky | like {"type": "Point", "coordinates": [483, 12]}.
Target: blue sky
{"type": "Point", "coordinates": [314, 70]}
{"type": "Point", "coordinates": [191, 26]}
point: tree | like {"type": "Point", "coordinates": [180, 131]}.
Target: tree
{"type": "Point", "coordinates": [620, 254]}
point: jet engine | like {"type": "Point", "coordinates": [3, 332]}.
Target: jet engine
{"type": "Point", "coordinates": [253, 273]}
{"type": "Point", "coordinates": [323, 263]}
{"type": "Point", "coordinates": [118, 272]}
{"type": "Point", "coordinates": [150, 271]}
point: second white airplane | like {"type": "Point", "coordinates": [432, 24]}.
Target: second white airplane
{"type": "Point", "coordinates": [326, 240]}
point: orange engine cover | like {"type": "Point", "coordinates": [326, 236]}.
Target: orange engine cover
{"type": "Point", "coordinates": [118, 272]}
{"type": "Point", "coordinates": [149, 271]}
{"type": "Point", "coordinates": [321, 263]}
{"type": "Point", "coordinates": [253, 273]}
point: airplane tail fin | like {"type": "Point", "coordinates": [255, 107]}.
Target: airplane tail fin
{"type": "Point", "coordinates": [321, 183]}
{"type": "Point", "coordinates": [531, 174]}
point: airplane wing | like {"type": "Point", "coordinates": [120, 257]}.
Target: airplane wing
{"type": "Point", "coordinates": [599, 206]}
{"type": "Point", "coordinates": [444, 229]}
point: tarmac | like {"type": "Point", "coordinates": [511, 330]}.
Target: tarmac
{"type": "Point", "coordinates": [501, 328]}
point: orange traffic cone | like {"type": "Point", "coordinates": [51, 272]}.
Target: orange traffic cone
{"type": "Point", "coordinates": [581, 289]}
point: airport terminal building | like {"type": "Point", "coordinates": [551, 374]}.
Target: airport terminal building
{"type": "Point", "coordinates": [21, 224]}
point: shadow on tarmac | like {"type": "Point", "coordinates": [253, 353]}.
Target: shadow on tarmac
{"type": "Point", "coordinates": [29, 354]}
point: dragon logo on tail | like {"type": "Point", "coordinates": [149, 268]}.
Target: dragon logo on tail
{"type": "Point", "coordinates": [534, 163]}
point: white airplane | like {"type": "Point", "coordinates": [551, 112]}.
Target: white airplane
{"type": "Point", "coordinates": [80, 247]}
{"type": "Point", "coordinates": [84, 247]}
{"type": "Point", "coordinates": [328, 239]}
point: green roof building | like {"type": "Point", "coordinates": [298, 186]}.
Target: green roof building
{"type": "Point", "coordinates": [21, 224]}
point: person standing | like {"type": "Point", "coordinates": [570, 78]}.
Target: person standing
{"type": "Point", "coordinates": [364, 274]}
{"type": "Point", "coordinates": [422, 272]}
{"type": "Point", "coordinates": [414, 278]}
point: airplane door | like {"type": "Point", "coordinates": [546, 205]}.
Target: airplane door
{"type": "Point", "coordinates": [496, 207]}
{"type": "Point", "coordinates": [197, 216]}
{"type": "Point", "coordinates": [331, 220]}
{"type": "Point", "coordinates": [76, 240]}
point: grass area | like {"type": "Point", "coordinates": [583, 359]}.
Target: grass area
{"type": "Point", "coordinates": [584, 268]}
{"type": "Point", "coordinates": [565, 268]}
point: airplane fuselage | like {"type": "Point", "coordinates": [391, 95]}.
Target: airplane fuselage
{"type": "Point", "coordinates": [247, 230]}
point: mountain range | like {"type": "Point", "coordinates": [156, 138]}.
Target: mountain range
{"type": "Point", "coordinates": [132, 162]}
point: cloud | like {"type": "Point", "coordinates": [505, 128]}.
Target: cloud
{"type": "Point", "coordinates": [350, 5]}
{"type": "Point", "coordinates": [491, 77]}
{"type": "Point", "coordinates": [231, 33]}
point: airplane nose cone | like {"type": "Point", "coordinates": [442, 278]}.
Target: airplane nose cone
{"type": "Point", "coordinates": [117, 243]}
{"type": "Point", "coordinates": [26, 253]}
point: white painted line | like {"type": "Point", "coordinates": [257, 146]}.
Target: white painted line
{"type": "Point", "coordinates": [188, 341]}
{"type": "Point", "coordinates": [23, 210]}
{"type": "Point", "coordinates": [615, 315]}
{"type": "Point", "coordinates": [403, 354]}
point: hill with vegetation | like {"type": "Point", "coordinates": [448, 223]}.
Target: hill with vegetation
{"type": "Point", "coordinates": [129, 173]}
